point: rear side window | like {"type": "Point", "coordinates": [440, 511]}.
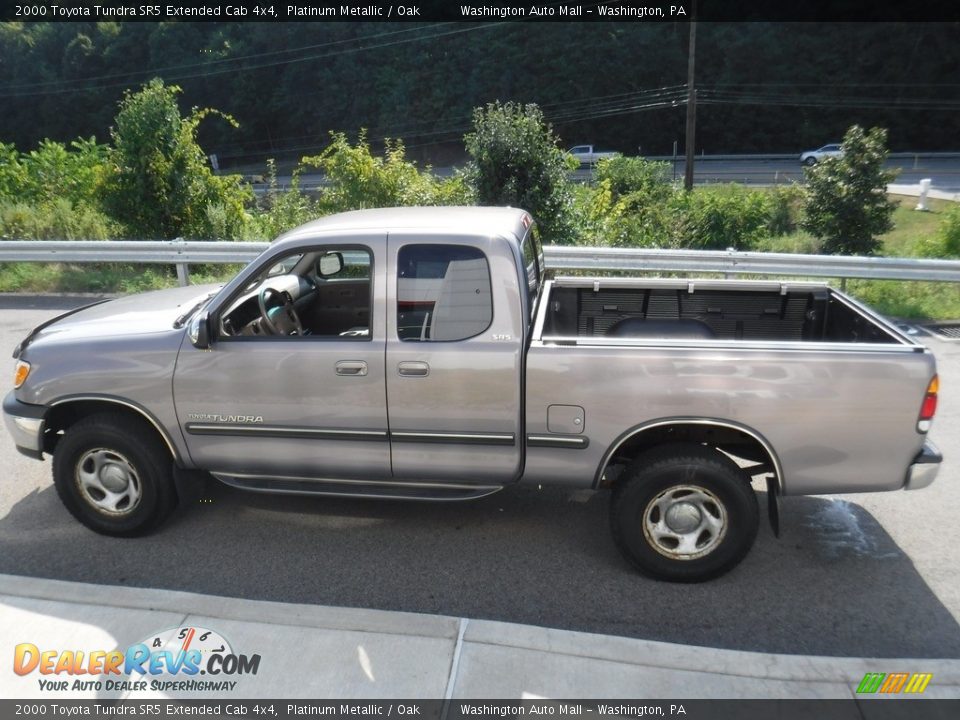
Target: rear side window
{"type": "Point", "coordinates": [532, 264]}
{"type": "Point", "coordinates": [443, 293]}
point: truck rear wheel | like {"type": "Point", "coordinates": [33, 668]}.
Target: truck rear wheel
{"type": "Point", "coordinates": [114, 475]}
{"type": "Point", "coordinates": [685, 513]}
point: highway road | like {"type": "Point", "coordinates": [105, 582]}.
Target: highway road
{"type": "Point", "coordinates": [859, 575]}
{"type": "Point", "coordinates": [943, 171]}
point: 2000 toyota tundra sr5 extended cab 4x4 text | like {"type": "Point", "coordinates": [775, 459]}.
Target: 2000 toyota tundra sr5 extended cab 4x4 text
{"type": "Point", "coordinates": [419, 353]}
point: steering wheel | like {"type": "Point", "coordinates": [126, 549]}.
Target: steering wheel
{"type": "Point", "coordinates": [286, 322]}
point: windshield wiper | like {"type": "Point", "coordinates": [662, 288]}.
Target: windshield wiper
{"type": "Point", "coordinates": [182, 320]}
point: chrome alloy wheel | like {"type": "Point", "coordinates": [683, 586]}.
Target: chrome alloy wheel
{"type": "Point", "coordinates": [108, 481]}
{"type": "Point", "coordinates": [685, 522]}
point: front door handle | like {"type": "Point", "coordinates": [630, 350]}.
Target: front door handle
{"type": "Point", "coordinates": [413, 369]}
{"type": "Point", "coordinates": [351, 367]}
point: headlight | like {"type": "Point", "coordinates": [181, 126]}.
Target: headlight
{"type": "Point", "coordinates": [20, 374]}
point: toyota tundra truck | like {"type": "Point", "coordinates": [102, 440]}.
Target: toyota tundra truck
{"type": "Point", "coordinates": [421, 353]}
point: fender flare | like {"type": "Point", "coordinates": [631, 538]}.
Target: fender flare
{"type": "Point", "coordinates": [774, 484]}
{"type": "Point", "coordinates": [143, 412]}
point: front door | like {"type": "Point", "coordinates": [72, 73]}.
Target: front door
{"type": "Point", "coordinates": [453, 362]}
{"type": "Point", "coordinates": [309, 405]}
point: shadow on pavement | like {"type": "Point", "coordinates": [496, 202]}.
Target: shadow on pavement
{"type": "Point", "coordinates": [835, 584]}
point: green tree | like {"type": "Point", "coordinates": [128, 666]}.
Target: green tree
{"type": "Point", "coordinates": [161, 185]}
{"type": "Point", "coordinates": [516, 162]}
{"type": "Point", "coordinates": [846, 196]}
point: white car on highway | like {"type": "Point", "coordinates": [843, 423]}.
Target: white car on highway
{"type": "Point", "coordinates": [588, 155]}
{"type": "Point", "coordinates": [812, 157]}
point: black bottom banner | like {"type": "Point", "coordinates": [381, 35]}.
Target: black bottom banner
{"type": "Point", "coordinates": [872, 709]}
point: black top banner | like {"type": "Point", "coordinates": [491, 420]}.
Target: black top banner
{"type": "Point", "coordinates": [631, 11]}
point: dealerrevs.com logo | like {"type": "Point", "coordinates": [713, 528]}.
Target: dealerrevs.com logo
{"type": "Point", "coordinates": [183, 659]}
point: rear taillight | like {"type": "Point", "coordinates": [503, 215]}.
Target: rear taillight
{"type": "Point", "coordinates": [929, 407]}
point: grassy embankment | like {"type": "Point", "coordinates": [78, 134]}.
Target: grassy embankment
{"type": "Point", "coordinates": [920, 300]}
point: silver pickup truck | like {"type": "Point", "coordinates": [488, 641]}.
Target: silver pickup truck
{"type": "Point", "coordinates": [420, 353]}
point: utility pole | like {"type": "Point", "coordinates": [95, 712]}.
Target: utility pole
{"type": "Point", "coordinates": [691, 100]}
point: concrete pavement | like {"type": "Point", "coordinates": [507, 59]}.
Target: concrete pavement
{"type": "Point", "coordinates": [309, 651]}
{"type": "Point", "coordinates": [913, 190]}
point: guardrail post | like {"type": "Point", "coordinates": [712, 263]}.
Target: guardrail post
{"type": "Point", "coordinates": [183, 269]}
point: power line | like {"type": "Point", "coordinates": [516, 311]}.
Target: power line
{"type": "Point", "coordinates": [715, 97]}
{"type": "Point", "coordinates": [207, 63]}
{"type": "Point", "coordinates": [221, 71]}
{"type": "Point", "coordinates": [560, 112]}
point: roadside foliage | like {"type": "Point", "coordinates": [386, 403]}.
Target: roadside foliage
{"type": "Point", "coordinates": [153, 180]}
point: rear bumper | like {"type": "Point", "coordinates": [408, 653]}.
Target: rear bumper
{"type": "Point", "coordinates": [25, 424]}
{"type": "Point", "coordinates": [925, 467]}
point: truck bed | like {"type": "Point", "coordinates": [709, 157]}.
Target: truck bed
{"type": "Point", "coordinates": [832, 388]}
{"type": "Point", "coordinates": [630, 309]}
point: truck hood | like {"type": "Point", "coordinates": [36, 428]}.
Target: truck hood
{"type": "Point", "coordinates": [150, 312]}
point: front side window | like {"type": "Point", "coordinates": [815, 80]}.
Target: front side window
{"type": "Point", "coordinates": [324, 292]}
{"type": "Point", "coordinates": [443, 293]}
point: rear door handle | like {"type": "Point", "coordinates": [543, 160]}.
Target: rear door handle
{"type": "Point", "coordinates": [413, 369]}
{"type": "Point", "coordinates": [351, 367]}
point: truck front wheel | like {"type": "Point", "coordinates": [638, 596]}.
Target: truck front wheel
{"type": "Point", "coordinates": [114, 475]}
{"type": "Point", "coordinates": [684, 513]}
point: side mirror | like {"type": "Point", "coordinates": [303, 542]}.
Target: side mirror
{"type": "Point", "coordinates": [330, 264]}
{"type": "Point", "coordinates": [199, 331]}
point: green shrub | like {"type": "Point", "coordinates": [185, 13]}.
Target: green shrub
{"type": "Point", "coordinates": [280, 210]}
{"type": "Point", "coordinates": [55, 171]}
{"type": "Point", "coordinates": [161, 185]}
{"type": "Point", "coordinates": [516, 162]}
{"type": "Point", "coordinates": [717, 217]}
{"type": "Point", "coordinates": [12, 173]}
{"type": "Point", "coordinates": [710, 217]}
{"type": "Point", "coordinates": [359, 179]}
{"type": "Point", "coordinates": [949, 233]}
{"type": "Point", "coordinates": [946, 243]}
{"type": "Point", "coordinates": [55, 220]}
{"type": "Point", "coordinates": [786, 210]}
{"type": "Point", "coordinates": [626, 175]}
{"type": "Point", "coordinates": [847, 204]}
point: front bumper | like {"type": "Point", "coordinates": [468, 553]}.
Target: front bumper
{"type": "Point", "coordinates": [925, 467]}
{"type": "Point", "coordinates": [25, 424]}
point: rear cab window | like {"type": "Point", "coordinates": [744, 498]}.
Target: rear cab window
{"type": "Point", "coordinates": [444, 293]}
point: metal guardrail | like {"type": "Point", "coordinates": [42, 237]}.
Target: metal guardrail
{"type": "Point", "coordinates": [726, 262]}
{"type": "Point", "coordinates": [731, 262]}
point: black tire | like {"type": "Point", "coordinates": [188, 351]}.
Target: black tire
{"type": "Point", "coordinates": [121, 453]}
{"type": "Point", "coordinates": [810, 161]}
{"type": "Point", "coordinates": [712, 484]}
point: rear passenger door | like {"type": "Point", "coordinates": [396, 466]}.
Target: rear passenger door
{"type": "Point", "coordinates": [453, 360]}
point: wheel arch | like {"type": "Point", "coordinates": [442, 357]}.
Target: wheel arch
{"type": "Point", "coordinates": [66, 411]}
{"type": "Point", "coordinates": [724, 435]}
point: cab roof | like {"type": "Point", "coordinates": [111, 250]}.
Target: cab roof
{"type": "Point", "coordinates": [483, 221]}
